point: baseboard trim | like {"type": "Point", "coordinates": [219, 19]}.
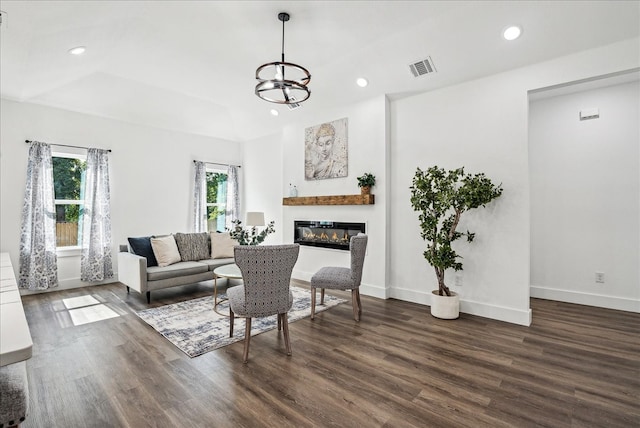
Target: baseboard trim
{"type": "Point", "coordinates": [68, 284]}
{"type": "Point", "coordinates": [500, 313]}
{"type": "Point", "coordinates": [588, 299]}
{"type": "Point", "coordinates": [374, 291]}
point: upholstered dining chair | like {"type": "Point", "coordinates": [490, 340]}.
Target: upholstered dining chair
{"type": "Point", "coordinates": [342, 278]}
{"type": "Point", "coordinates": [266, 274]}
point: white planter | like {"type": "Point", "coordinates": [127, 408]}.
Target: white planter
{"type": "Point", "coordinates": [445, 307]}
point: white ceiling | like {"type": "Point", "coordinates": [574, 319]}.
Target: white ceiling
{"type": "Point", "coordinates": [190, 65]}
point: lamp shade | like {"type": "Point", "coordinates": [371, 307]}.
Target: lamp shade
{"type": "Point", "coordinates": [254, 218]}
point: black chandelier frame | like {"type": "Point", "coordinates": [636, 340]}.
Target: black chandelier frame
{"type": "Point", "coordinates": [281, 90]}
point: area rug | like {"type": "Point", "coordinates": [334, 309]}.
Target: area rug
{"type": "Point", "coordinates": [195, 328]}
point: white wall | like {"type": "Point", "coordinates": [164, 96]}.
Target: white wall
{"type": "Point", "coordinates": [263, 170]}
{"type": "Point", "coordinates": [481, 125]}
{"type": "Point", "coordinates": [151, 172]}
{"type": "Point", "coordinates": [367, 153]}
{"type": "Point", "coordinates": [585, 197]}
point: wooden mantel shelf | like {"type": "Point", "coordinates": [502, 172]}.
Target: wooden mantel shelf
{"type": "Point", "coordinates": [331, 200]}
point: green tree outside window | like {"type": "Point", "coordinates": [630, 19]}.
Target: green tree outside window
{"type": "Point", "coordinates": [216, 197]}
{"type": "Point", "coordinates": [68, 182]}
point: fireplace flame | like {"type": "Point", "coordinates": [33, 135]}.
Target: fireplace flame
{"type": "Point", "coordinates": [332, 237]}
{"type": "Point", "coordinates": [323, 236]}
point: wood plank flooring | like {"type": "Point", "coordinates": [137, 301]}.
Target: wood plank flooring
{"type": "Point", "coordinates": [576, 366]}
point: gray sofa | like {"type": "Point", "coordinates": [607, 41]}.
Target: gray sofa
{"type": "Point", "coordinates": [134, 272]}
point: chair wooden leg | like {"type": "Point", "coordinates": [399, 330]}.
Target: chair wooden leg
{"type": "Point", "coordinates": [231, 317]}
{"type": "Point", "coordinates": [279, 322]}
{"type": "Point", "coordinates": [148, 297]}
{"type": "Point", "coordinates": [247, 339]}
{"type": "Point", "coordinates": [313, 302]}
{"type": "Point", "coordinates": [359, 303]}
{"type": "Point", "coordinates": [285, 327]}
{"type": "Point", "coordinates": [322, 296]}
{"type": "Point", "coordinates": [354, 303]}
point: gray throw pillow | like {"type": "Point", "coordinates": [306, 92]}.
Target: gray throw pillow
{"type": "Point", "coordinates": [193, 246]}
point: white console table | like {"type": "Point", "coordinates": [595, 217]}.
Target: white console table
{"type": "Point", "coordinates": [15, 338]}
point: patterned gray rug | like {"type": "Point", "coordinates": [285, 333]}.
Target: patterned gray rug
{"type": "Point", "coordinates": [195, 328]}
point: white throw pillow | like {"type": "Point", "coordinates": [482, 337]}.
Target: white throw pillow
{"type": "Point", "coordinates": [222, 245]}
{"type": "Point", "coordinates": [166, 250]}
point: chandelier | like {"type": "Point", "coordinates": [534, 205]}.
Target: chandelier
{"type": "Point", "coordinates": [283, 82]}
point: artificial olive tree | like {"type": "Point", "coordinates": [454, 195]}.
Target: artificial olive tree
{"type": "Point", "coordinates": [441, 197]}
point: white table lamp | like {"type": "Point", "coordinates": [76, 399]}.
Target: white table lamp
{"type": "Point", "coordinates": [254, 218]}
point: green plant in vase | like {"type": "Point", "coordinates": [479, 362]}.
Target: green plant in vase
{"type": "Point", "coordinates": [366, 182]}
{"type": "Point", "coordinates": [250, 236]}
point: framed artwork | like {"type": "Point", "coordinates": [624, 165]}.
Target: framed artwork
{"type": "Point", "coordinates": [325, 150]}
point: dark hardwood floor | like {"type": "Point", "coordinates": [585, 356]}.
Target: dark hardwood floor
{"type": "Point", "coordinates": [576, 366]}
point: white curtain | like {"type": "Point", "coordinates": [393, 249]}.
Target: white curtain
{"type": "Point", "coordinates": [38, 261]}
{"type": "Point", "coordinates": [200, 197]}
{"type": "Point", "coordinates": [95, 262]}
{"type": "Point", "coordinates": [233, 198]}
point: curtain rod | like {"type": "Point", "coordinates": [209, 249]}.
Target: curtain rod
{"type": "Point", "coordinates": [218, 163]}
{"type": "Point", "coordinates": [65, 145]}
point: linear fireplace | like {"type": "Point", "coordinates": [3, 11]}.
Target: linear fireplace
{"type": "Point", "coordinates": [326, 234]}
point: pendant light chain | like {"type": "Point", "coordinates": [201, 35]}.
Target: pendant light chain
{"type": "Point", "coordinates": [283, 21]}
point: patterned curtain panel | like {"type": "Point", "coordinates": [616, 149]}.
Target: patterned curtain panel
{"type": "Point", "coordinates": [200, 198]}
{"type": "Point", "coordinates": [233, 198]}
{"type": "Point", "coordinates": [38, 261]}
{"type": "Point", "coordinates": [95, 263]}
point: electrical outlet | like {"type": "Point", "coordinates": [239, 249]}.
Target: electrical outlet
{"type": "Point", "coordinates": [599, 277]}
{"type": "Point", "coordinates": [458, 280]}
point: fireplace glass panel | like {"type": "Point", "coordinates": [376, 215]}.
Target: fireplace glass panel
{"type": "Point", "coordinates": [326, 234]}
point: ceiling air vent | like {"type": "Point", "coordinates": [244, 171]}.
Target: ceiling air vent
{"type": "Point", "coordinates": [293, 104]}
{"type": "Point", "coordinates": [422, 67]}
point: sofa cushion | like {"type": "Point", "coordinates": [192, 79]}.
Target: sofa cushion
{"type": "Point", "coordinates": [222, 245]}
{"type": "Point", "coordinates": [142, 247]}
{"type": "Point", "coordinates": [177, 269]}
{"type": "Point", "coordinates": [165, 250]}
{"type": "Point", "coordinates": [214, 263]}
{"type": "Point", "coordinates": [193, 246]}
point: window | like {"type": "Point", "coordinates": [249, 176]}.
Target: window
{"type": "Point", "coordinates": [216, 199]}
{"type": "Point", "coordinates": [68, 184]}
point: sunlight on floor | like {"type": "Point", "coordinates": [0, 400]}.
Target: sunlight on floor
{"type": "Point", "coordinates": [78, 302]}
{"type": "Point", "coordinates": [87, 309]}
{"type": "Point", "coordinates": [91, 314]}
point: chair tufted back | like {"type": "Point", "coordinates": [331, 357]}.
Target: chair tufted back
{"type": "Point", "coordinates": [266, 272]}
{"type": "Point", "coordinates": [358, 248]}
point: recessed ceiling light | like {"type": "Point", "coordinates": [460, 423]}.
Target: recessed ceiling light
{"type": "Point", "coordinates": [78, 50]}
{"type": "Point", "coordinates": [362, 82]}
{"type": "Point", "coordinates": [512, 32]}
{"type": "Point", "coordinates": [274, 112]}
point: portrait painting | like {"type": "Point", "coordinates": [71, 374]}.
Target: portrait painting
{"type": "Point", "coordinates": [325, 152]}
